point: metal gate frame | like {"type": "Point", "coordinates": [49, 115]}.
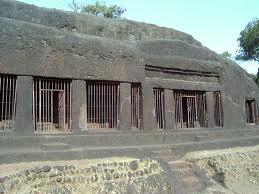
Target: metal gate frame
{"type": "Point", "coordinates": [43, 105]}
{"type": "Point", "coordinates": [197, 116]}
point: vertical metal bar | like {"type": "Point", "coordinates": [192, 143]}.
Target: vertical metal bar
{"type": "Point", "coordinates": [40, 105]}
{"type": "Point", "coordinates": [4, 107]}
{"type": "Point", "coordinates": [163, 108]}
{"type": "Point", "coordinates": [44, 105]}
{"type": "Point", "coordinates": [118, 103]}
{"type": "Point", "coordinates": [159, 108]}
{"type": "Point", "coordinates": [1, 89]}
{"type": "Point", "coordinates": [105, 106]}
{"type": "Point", "coordinates": [89, 104]}
{"type": "Point", "coordinates": [154, 95]}
{"type": "Point", "coordinates": [97, 105]}
{"type": "Point", "coordinates": [92, 104]}
{"type": "Point", "coordinates": [70, 106]}
{"type": "Point", "coordinates": [33, 104]}
{"type": "Point", "coordinates": [14, 102]}
{"type": "Point", "coordinates": [64, 104]}
{"type": "Point", "coordinates": [108, 105]}
{"type": "Point", "coordinates": [36, 103]}
{"type": "Point", "coordinates": [131, 106]}
{"type": "Point", "coordinates": [101, 105]}
{"type": "Point", "coordinates": [48, 111]}
{"type": "Point", "coordinates": [111, 88]}
{"type": "Point", "coordinates": [51, 105]}
{"type": "Point", "coordinates": [103, 89]}
{"type": "Point", "coordinates": [2, 100]}
{"type": "Point", "coordinates": [91, 109]}
{"type": "Point", "coordinates": [9, 102]}
{"type": "Point", "coordinates": [156, 109]}
{"type": "Point", "coordinates": [135, 105]}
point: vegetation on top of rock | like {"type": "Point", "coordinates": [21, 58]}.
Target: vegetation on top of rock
{"type": "Point", "coordinates": [226, 54]}
{"type": "Point", "coordinates": [99, 9]}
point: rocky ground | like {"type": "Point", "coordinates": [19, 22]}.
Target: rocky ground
{"type": "Point", "coordinates": [228, 171]}
{"type": "Point", "coordinates": [234, 170]}
{"type": "Point", "coordinates": [110, 175]}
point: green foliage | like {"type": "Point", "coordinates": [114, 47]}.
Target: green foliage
{"type": "Point", "coordinates": [226, 54]}
{"type": "Point", "coordinates": [100, 9]}
{"type": "Point", "coordinates": [249, 42]}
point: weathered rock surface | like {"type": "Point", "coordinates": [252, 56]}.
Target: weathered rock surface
{"type": "Point", "coordinates": [237, 169]}
{"type": "Point", "coordinates": [53, 43]}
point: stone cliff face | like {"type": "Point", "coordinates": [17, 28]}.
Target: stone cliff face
{"type": "Point", "coordinates": [48, 42]}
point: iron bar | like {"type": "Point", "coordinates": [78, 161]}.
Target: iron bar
{"type": "Point", "coordinates": [52, 105]}
{"type": "Point", "coordinates": [190, 109]}
{"type": "Point", "coordinates": [159, 107]}
{"type": "Point", "coordinates": [102, 105]}
{"type": "Point", "coordinates": [7, 102]}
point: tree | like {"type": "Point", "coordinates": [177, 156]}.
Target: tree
{"type": "Point", "coordinates": [249, 42]}
{"type": "Point", "coordinates": [226, 54]}
{"type": "Point", "coordinates": [102, 10]}
{"type": "Point", "coordinates": [75, 6]}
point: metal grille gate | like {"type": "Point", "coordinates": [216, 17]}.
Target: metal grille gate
{"type": "Point", "coordinates": [190, 109]}
{"type": "Point", "coordinates": [102, 105]}
{"type": "Point", "coordinates": [135, 105]}
{"type": "Point", "coordinates": [159, 107]}
{"type": "Point", "coordinates": [218, 110]}
{"type": "Point", "coordinates": [52, 105]}
{"type": "Point", "coordinates": [7, 102]}
{"type": "Point", "coordinates": [250, 111]}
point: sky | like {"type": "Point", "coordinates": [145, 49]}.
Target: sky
{"type": "Point", "coordinates": [215, 23]}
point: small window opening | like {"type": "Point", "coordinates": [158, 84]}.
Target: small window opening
{"type": "Point", "coordinates": [218, 110]}
{"type": "Point", "coordinates": [135, 105]}
{"type": "Point", "coordinates": [250, 111]}
{"type": "Point", "coordinates": [159, 107]}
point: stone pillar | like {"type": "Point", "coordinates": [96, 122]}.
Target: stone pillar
{"type": "Point", "coordinates": [210, 109]}
{"type": "Point", "coordinates": [149, 119]}
{"type": "Point", "coordinates": [169, 109]}
{"type": "Point", "coordinates": [24, 117]}
{"type": "Point", "coordinates": [125, 106]}
{"type": "Point", "coordinates": [79, 113]}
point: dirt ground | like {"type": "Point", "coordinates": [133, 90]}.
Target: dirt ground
{"type": "Point", "coordinates": [234, 170]}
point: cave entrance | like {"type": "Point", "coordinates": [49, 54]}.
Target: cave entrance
{"type": "Point", "coordinates": [52, 105]}
{"type": "Point", "coordinates": [190, 109]}
{"type": "Point", "coordinates": [250, 111]}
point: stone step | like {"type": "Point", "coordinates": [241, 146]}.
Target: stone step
{"type": "Point", "coordinates": [186, 176]}
{"type": "Point", "coordinates": [178, 164]}
{"type": "Point", "coordinates": [32, 153]}
{"type": "Point", "coordinates": [55, 146]}
{"type": "Point", "coordinates": [130, 139]}
{"type": "Point", "coordinates": [184, 172]}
